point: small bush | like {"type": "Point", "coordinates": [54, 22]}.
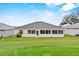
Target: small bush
{"type": "Point", "coordinates": [18, 35]}
{"type": "Point", "coordinates": [77, 35]}
{"type": "Point", "coordinates": [1, 36]}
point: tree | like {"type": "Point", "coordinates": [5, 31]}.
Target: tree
{"type": "Point", "coordinates": [70, 19]}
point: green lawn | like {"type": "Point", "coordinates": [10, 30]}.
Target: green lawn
{"type": "Point", "coordinates": [67, 46]}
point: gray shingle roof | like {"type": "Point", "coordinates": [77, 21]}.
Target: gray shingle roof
{"type": "Point", "coordinates": [39, 25]}
{"type": "Point", "coordinates": [5, 27]}
{"type": "Point", "coordinates": [75, 26]}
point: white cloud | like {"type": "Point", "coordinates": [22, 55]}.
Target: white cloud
{"type": "Point", "coordinates": [53, 4]}
{"type": "Point", "coordinates": [40, 15]}
{"type": "Point", "coordinates": [48, 16]}
{"type": "Point", "coordinates": [67, 7]}
{"type": "Point", "coordinates": [58, 3]}
{"type": "Point", "coordinates": [64, 8]}
{"type": "Point", "coordinates": [11, 17]}
{"type": "Point", "coordinates": [65, 13]}
{"type": "Point", "coordinates": [6, 18]}
{"type": "Point", "coordinates": [45, 16]}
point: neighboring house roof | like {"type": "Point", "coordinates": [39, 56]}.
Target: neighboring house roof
{"type": "Point", "coordinates": [39, 25]}
{"type": "Point", "coordinates": [73, 26]}
{"type": "Point", "coordinates": [5, 27]}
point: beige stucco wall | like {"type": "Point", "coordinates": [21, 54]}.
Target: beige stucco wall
{"type": "Point", "coordinates": [25, 34]}
{"type": "Point", "coordinates": [71, 31]}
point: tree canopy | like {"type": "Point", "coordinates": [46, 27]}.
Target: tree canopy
{"type": "Point", "coordinates": [70, 19]}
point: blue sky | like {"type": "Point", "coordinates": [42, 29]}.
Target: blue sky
{"type": "Point", "coordinates": [18, 14]}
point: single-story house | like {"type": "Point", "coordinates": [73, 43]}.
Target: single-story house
{"type": "Point", "coordinates": [6, 30]}
{"type": "Point", "coordinates": [72, 29]}
{"type": "Point", "coordinates": [40, 29]}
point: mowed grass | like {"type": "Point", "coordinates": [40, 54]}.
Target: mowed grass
{"type": "Point", "coordinates": [12, 46]}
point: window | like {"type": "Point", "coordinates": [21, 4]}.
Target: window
{"type": "Point", "coordinates": [48, 32]}
{"type": "Point", "coordinates": [45, 31]}
{"type": "Point", "coordinates": [21, 31]}
{"type": "Point", "coordinates": [42, 31]}
{"type": "Point", "coordinates": [54, 31]}
{"type": "Point", "coordinates": [60, 31]}
{"type": "Point", "coordinates": [31, 31]}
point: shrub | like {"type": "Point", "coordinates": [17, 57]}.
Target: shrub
{"type": "Point", "coordinates": [77, 35]}
{"type": "Point", "coordinates": [18, 35]}
{"type": "Point", "coordinates": [1, 36]}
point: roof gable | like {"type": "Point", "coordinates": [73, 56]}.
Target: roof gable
{"type": "Point", "coordinates": [5, 27]}
{"type": "Point", "coordinates": [39, 25]}
{"type": "Point", "coordinates": [75, 26]}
